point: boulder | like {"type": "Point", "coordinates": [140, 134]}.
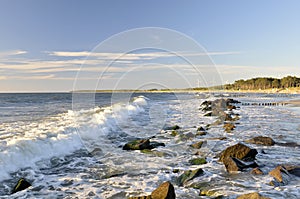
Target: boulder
{"type": "Point", "coordinates": [175, 127]}
{"type": "Point", "coordinates": [21, 185]}
{"type": "Point", "coordinates": [292, 169]}
{"type": "Point", "coordinates": [141, 144]}
{"type": "Point", "coordinates": [281, 175]}
{"type": "Point", "coordinates": [239, 151]}
{"type": "Point", "coordinates": [234, 164]}
{"type": "Point", "coordinates": [197, 161]}
{"type": "Point", "coordinates": [164, 191]}
{"type": "Point", "coordinates": [189, 175]}
{"type": "Point", "coordinates": [201, 131]}
{"type": "Point", "coordinates": [254, 195]}
{"type": "Point", "coordinates": [261, 140]}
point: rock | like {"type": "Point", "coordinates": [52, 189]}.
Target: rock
{"type": "Point", "coordinates": [206, 103]}
{"type": "Point", "coordinates": [232, 101]}
{"type": "Point", "coordinates": [292, 169]}
{"type": "Point", "coordinates": [231, 107]}
{"type": "Point", "coordinates": [280, 174]}
{"type": "Point", "coordinates": [175, 127]}
{"type": "Point", "coordinates": [21, 185]}
{"type": "Point", "coordinates": [228, 127]}
{"type": "Point", "coordinates": [164, 191]}
{"type": "Point", "coordinates": [239, 151]}
{"type": "Point", "coordinates": [197, 161]}
{"type": "Point", "coordinates": [174, 133]}
{"type": "Point", "coordinates": [234, 164]}
{"type": "Point", "coordinates": [261, 140]}
{"type": "Point", "coordinates": [156, 144]}
{"type": "Point", "coordinates": [254, 195]}
{"type": "Point", "coordinates": [197, 145]}
{"type": "Point", "coordinates": [189, 175]}
{"type": "Point", "coordinates": [256, 171]}
{"type": "Point", "coordinates": [208, 114]}
{"type": "Point", "coordinates": [206, 108]}
{"type": "Point", "coordinates": [201, 129]}
{"type": "Point", "coordinates": [141, 145]}
{"type": "Point", "coordinates": [288, 144]}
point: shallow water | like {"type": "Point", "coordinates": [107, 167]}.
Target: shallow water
{"type": "Point", "coordinates": [77, 153]}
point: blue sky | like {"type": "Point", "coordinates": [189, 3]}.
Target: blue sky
{"type": "Point", "coordinates": [245, 39]}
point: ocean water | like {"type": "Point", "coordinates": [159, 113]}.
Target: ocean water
{"type": "Point", "coordinates": [70, 146]}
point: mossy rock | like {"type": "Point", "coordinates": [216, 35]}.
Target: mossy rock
{"type": "Point", "coordinates": [189, 175]}
{"type": "Point", "coordinates": [174, 133]}
{"type": "Point", "coordinates": [21, 185]}
{"type": "Point", "coordinates": [197, 161]}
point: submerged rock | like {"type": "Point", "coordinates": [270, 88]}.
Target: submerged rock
{"type": "Point", "coordinates": [261, 140]}
{"type": "Point", "coordinates": [141, 145]}
{"type": "Point", "coordinates": [254, 195]}
{"type": "Point", "coordinates": [164, 191]}
{"type": "Point", "coordinates": [189, 175]}
{"type": "Point", "coordinates": [239, 151]}
{"type": "Point", "coordinates": [175, 127]}
{"type": "Point", "coordinates": [21, 185]}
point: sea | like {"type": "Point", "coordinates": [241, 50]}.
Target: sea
{"type": "Point", "coordinates": [69, 145]}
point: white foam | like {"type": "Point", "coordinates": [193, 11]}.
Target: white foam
{"type": "Point", "coordinates": [60, 135]}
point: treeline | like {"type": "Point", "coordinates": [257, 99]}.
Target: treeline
{"type": "Point", "coordinates": [264, 83]}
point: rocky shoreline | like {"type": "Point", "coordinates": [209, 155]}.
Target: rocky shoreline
{"type": "Point", "coordinates": [236, 159]}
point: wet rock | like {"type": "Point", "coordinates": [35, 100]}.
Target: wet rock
{"type": "Point", "coordinates": [231, 107]}
{"type": "Point", "coordinates": [201, 131]}
{"type": "Point", "coordinates": [239, 151]}
{"type": "Point", "coordinates": [210, 193]}
{"type": "Point", "coordinates": [261, 140]}
{"type": "Point", "coordinates": [197, 145]}
{"type": "Point", "coordinates": [288, 144]}
{"type": "Point", "coordinates": [174, 133]}
{"type": "Point", "coordinates": [206, 103]}
{"type": "Point", "coordinates": [189, 175]}
{"type": "Point", "coordinates": [197, 161]}
{"type": "Point", "coordinates": [175, 127]}
{"type": "Point", "coordinates": [164, 191]}
{"type": "Point", "coordinates": [228, 127]}
{"type": "Point", "coordinates": [254, 195]}
{"type": "Point", "coordinates": [292, 169]}
{"type": "Point", "coordinates": [141, 145]}
{"type": "Point", "coordinates": [208, 114]}
{"type": "Point", "coordinates": [232, 101]}
{"type": "Point", "coordinates": [21, 185]}
{"type": "Point", "coordinates": [256, 171]}
{"type": "Point", "coordinates": [281, 176]}
{"type": "Point", "coordinates": [234, 164]}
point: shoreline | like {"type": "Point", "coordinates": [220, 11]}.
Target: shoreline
{"type": "Point", "coordinates": [295, 90]}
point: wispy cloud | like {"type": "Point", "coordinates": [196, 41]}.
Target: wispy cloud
{"type": "Point", "coordinates": [136, 56]}
{"type": "Point", "coordinates": [12, 53]}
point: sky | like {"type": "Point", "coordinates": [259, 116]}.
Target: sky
{"type": "Point", "coordinates": [62, 45]}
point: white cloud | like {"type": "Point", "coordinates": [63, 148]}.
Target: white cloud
{"type": "Point", "coordinates": [12, 52]}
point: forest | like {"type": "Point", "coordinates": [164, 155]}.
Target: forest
{"type": "Point", "coordinates": [264, 83]}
